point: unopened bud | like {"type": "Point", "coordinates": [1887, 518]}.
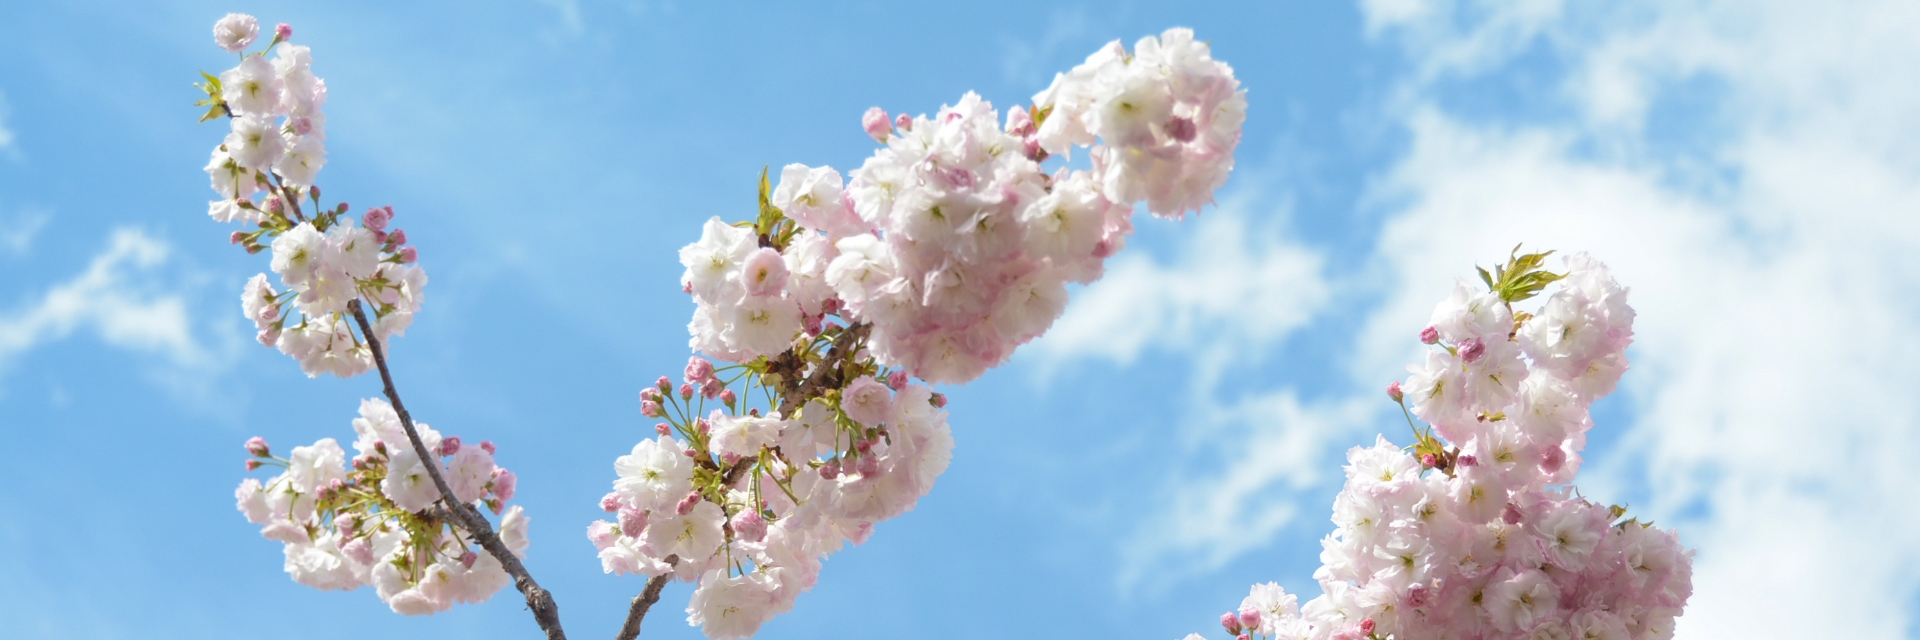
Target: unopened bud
{"type": "Point", "coordinates": [1250, 617]}
{"type": "Point", "coordinates": [1393, 391]}
{"type": "Point", "coordinates": [632, 521]}
{"type": "Point", "coordinates": [466, 559]}
{"type": "Point", "coordinates": [869, 467]}
{"type": "Point", "coordinates": [1366, 626]}
{"type": "Point", "coordinates": [273, 204]}
{"type": "Point", "coordinates": [704, 426]}
{"type": "Point", "coordinates": [730, 457]}
{"type": "Point", "coordinates": [875, 122]}
{"type": "Point", "coordinates": [1510, 514]}
{"type": "Point", "coordinates": [1230, 622]}
{"type": "Point", "coordinates": [1468, 461]}
{"type": "Point", "coordinates": [398, 238]}
{"type": "Point", "coordinates": [1429, 461]}
{"type": "Point", "coordinates": [663, 384]}
{"type": "Point", "coordinates": [686, 391]}
{"type": "Point", "coordinates": [727, 397]}
{"type": "Point", "coordinates": [650, 409]}
{"type": "Point", "coordinates": [812, 324]}
{"type": "Point", "coordinates": [282, 32]}
{"type": "Point", "coordinates": [662, 429]}
{"type": "Point", "coordinates": [253, 464]}
{"type": "Point", "coordinates": [258, 447]}
{"type": "Point", "coordinates": [897, 380]}
{"type": "Point", "coordinates": [1472, 350]}
{"type": "Point", "coordinates": [449, 445]}
{"type": "Point", "coordinates": [377, 218]}
{"type": "Point", "coordinates": [237, 237]}
{"type": "Point", "coordinates": [1552, 459]}
{"type": "Point", "coordinates": [750, 525]}
{"type": "Point", "coordinates": [903, 122]}
{"type": "Point", "coordinates": [711, 388]}
{"type": "Point", "coordinates": [253, 249]}
{"type": "Point", "coordinates": [938, 400]}
{"type": "Point", "coordinates": [409, 255]}
{"type": "Point", "coordinates": [487, 445]}
{"type": "Point", "coordinates": [1429, 335]}
{"type": "Point", "coordinates": [314, 191]}
{"type": "Point", "coordinates": [610, 503]}
{"type": "Point", "coordinates": [686, 504]}
{"type": "Point", "coordinates": [504, 483]}
{"type": "Point", "coordinates": [699, 369]}
{"type": "Point", "coordinates": [864, 446]}
{"type": "Point", "coordinates": [830, 470]}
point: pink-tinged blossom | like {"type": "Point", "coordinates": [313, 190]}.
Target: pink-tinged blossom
{"type": "Point", "coordinates": [654, 475]}
{"type": "Point", "coordinates": [867, 401]}
{"type": "Point", "coordinates": [235, 32]}
{"type": "Point", "coordinates": [877, 124]}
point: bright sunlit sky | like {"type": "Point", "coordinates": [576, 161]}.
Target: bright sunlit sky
{"type": "Point", "coordinates": [1750, 169]}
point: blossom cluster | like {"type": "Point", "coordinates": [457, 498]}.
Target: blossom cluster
{"type": "Point", "coordinates": [1475, 531]}
{"type": "Point", "coordinates": [953, 241]}
{"type": "Point", "coordinates": [371, 519]}
{"type": "Point", "coordinates": [947, 249]}
{"type": "Point", "coordinates": [263, 172]}
{"type": "Point", "coordinates": [748, 504]}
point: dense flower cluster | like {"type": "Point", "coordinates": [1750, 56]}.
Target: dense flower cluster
{"type": "Point", "coordinates": [953, 242]}
{"type": "Point", "coordinates": [1486, 538]}
{"type": "Point", "coordinates": [949, 248]}
{"type": "Point", "coordinates": [262, 173]}
{"type": "Point", "coordinates": [371, 520]}
{"type": "Point", "coordinates": [749, 505]}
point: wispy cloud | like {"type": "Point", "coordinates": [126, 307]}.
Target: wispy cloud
{"type": "Point", "coordinates": [6, 134]}
{"type": "Point", "coordinates": [1770, 261]}
{"type": "Point", "coordinates": [18, 230]}
{"type": "Point", "coordinates": [108, 299]}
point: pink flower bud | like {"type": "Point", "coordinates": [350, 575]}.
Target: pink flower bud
{"type": "Point", "coordinates": [1181, 129]}
{"type": "Point", "coordinates": [863, 446]}
{"type": "Point", "coordinates": [273, 204]}
{"type": "Point", "coordinates": [1510, 514]}
{"type": "Point", "coordinates": [663, 385]}
{"type": "Point", "coordinates": [750, 525]}
{"type": "Point", "coordinates": [730, 457]}
{"type": "Point", "coordinates": [253, 464]}
{"type": "Point", "coordinates": [380, 237]}
{"type": "Point", "coordinates": [812, 324]}
{"type": "Point", "coordinates": [505, 483]}
{"type": "Point", "coordinates": [377, 218]}
{"type": "Point", "coordinates": [831, 469]}
{"type": "Point", "coordinates": [691, 453]}
{"type": "Point", "coordinates": [662, 428]}
{"type": "Point", "coordinates": [897, 380]}
{"type": "Point", "coordinates": [686, 504]}
{"type": "Point", "coordinates": [1428, 461]}
{"type": "Point", "coordinates": [409, 255]}
{"type": "Point", "coordinates": [711, 388]}
{"type": "Point", "coordinates": [903, 122]}
{"type": "Point", "coordinates": [686, 391]}
{"type": "Point", "coordinates": [449, 445]}
{"type": "Point", "coordinates": [237, 237]}
{"type": "Point", "coordinates": [699, 369]}
{"type": "Point", "coordinates": [632, 521]}
{"type": "Point", "coordinates": [1250, 617]}
{"type": "Point", "coordinates": [302, 125]}
{"type": "Point", "coordinates": [603, 534]}
{"type": "Point", "coordinates": [703, 426]}
{"type": "Point", "coordinates": [830, 305]}
{"type": "Point", "coordinates": [610, 503]}
{"type": "Point", "coordinates": [1469, 461]}
{"type": "Point", "coordinates": [875, 122]}
{"type": "Point", "coordinates": [282, 32]}
{"type": "Point", "coordinates": [253, 249]}
{"type": "Point", "coordinates": [1230, 622]}
{"type": "Point", "coordinates": [1243, 636]}
{"type": "Point", "coordinates": [1393, 391]}
{"type": "Point", "coordinates": [939, 400]}
{"type": "Point", "coordinates": [650, 409]}
{"type": "Point", "coordinates": [487, 445]}
{"type": "Point", "coordinates": [869, 467]}
{"type": "Point", "coordinates": [1472, 350]}
{"type": "Point", "coordinates": [466, 559]}
{"type": "Point", "coordinates": [727, 397]}
{"type": "Point", "coordinates": [1366, 626]}
{"type": "Point", "coordinates": [258, 447]}
{"type": "Point", "coordinates": [1429, 335]}
{"type": "Point", "coordinates": [649, 393]}
{"type": "Point", "coordinates": [397, 238]}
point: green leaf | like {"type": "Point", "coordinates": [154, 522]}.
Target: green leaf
{"type": "Point", "coordinates": [214, 112]}
{"type": "Point", "coordinates": [1484, 277]}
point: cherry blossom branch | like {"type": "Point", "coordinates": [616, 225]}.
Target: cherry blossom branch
{"type": "Point", "coordinates": [540, 601]}
{"type": "Point", "coordinates": [644, 601]}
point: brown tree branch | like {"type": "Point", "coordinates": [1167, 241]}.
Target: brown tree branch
{"type": "Point", "coordinates": [545, 612]}
{"type": "Point", "coordinates": [644, 601]}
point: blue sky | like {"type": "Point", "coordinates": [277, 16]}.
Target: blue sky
{"type": "Point", "coordinates": [1748, 168]}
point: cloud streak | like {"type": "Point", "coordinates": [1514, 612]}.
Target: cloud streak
{"type": "Point", "coordinates": [108, 300]}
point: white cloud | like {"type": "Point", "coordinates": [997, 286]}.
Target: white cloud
{"type": "Point", "coordinates": [108, 299]}
{"type": "Point", "coordinates": [1234, 289]}
{"type": "Point", "coordinates": [17, 232]}
{"type": "Point", "coordinates": [6, 134]}
{"type": "Point", "coordinates": [1771, 421]}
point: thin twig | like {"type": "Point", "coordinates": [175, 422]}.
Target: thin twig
{"type": "Point", "coordinates": [545, 612]}
{"type": "Point", "coordinates": [644, 601]}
